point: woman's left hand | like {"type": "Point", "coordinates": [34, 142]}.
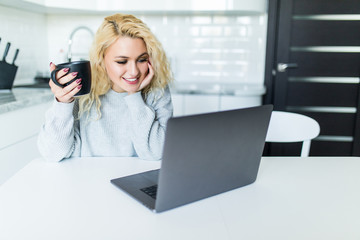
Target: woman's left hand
{"type": "Point", "coordinates": [146, 80]}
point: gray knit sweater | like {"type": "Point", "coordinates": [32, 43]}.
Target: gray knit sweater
{"type": "Point", "coordinates": [129, 126]}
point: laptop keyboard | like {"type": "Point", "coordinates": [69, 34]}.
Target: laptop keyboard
{"type": "Point", "coordinates": [151, 191]}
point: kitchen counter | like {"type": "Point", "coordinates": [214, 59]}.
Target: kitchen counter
{"type": "Point", "coordinates": [19, 98]}
{"type": "Point", "coordinates": [201, 97]}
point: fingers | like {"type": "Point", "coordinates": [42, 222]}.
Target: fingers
{"type": "Point", "coordinates": [67, 93]}
{"type": "Point", "coordinates": [148, 77]}
{"type": "Point", "coordinates": [52, 66]}
{"type": "Point", "coordinates": [62, 76]}
{"type": "Point", "coordinates": [146, 80]}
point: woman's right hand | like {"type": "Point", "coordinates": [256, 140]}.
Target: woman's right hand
{"type": "Point", "coordinates": [65, 94]}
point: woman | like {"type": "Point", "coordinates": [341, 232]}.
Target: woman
{"type": "Point", "coordinates": [129, 104]}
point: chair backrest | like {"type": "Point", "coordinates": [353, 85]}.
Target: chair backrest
{"type": "Point", "coordinates": [292, 127]}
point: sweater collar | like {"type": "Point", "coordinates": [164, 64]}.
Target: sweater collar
{"type": "Point", "coordinates": [113, 93]}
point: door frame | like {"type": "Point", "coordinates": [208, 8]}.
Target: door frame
{"type": "Point", "coordinates": [274, 19]}
{"type": "Point", "coordinates": [271, 48]}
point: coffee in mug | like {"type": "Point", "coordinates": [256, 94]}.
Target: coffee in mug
{"type": "Point", "coordinates": [84, 72]}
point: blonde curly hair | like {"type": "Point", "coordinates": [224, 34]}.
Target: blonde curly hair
{"type": "Point", "coordinates": [112, 28]}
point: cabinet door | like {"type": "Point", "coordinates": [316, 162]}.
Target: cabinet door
{"type": "Point", "coordinates": [16, 156]}
{"type": "Point", "coordinates": [19, 130]}
{"type": "Point", "coordinates": [198, 103]}
{"type": "Point", "coordinates": [20, 124]}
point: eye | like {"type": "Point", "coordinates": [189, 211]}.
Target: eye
{"type": "Point", "coordinates": [121, 62]}
{"type": "Point", "coordinates": [142, 60]}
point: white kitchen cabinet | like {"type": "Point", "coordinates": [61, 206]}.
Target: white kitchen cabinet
{"type": "Point", "coordinates": [178, 104]}
{"type": "Point", "coordinates": [234, 102]}
{"type": "Point", "coordinates": [186, 104]}
{"type": "Point", "coordinates": [199, 103]}
{"type": "Point", "coordinates": [16, 156]}
{"type": "Point", "coordinates": [198, 97]}
{"type": "Point", "coordinates": [21, 124]}
{"type": "Point", "coordinates": [19, 129]}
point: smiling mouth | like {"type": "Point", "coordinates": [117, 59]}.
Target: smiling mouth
{"type": "Point", "coordinates": [131, 80]}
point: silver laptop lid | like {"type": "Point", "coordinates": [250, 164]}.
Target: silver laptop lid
{"type": "Point", "coordinates": [208, 154]}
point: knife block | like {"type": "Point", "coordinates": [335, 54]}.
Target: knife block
{"type": "Point", "coordinates": [7, 75]}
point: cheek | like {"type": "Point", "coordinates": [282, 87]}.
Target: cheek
{"type": "Point", "coordinates": [114, 70]}
{"type": "Point", "coordinates": [144, 68]}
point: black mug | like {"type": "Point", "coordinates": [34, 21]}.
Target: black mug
{"type": "Point", "coordinates": [84, 72]}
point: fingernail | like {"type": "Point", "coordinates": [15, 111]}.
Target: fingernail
{"type": "Point", "coordinates": [66, 69]}
{"type": "Point", "coordinates": [74, 73]}
{"type": "Point", "coordinates": [78, 81]}
{"type": "Point", "coordinates": [50, 64]}
{"type": "Point", "coordinates": [79, 86]}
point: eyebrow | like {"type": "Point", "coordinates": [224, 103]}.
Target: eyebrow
{"type": "Point", "coordinates": [141, 55]}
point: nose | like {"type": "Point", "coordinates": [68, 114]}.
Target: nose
{"type": "Point", "coordinates": [133, 69]}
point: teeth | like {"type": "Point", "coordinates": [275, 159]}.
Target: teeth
{"type": "Point", "coordinates": [131, 79]}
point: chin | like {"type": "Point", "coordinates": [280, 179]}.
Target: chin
{"type": "Point", "coordinates": [130, 88]}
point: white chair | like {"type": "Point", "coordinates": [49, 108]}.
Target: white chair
{"type": "Point", "coordinates": [292, 127]}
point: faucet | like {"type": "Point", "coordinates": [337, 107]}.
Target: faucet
{"type": "Point", "coordinates": [69, 55]}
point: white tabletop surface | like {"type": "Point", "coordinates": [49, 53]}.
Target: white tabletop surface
{"type": "Point", "coordinates": [293, 198]}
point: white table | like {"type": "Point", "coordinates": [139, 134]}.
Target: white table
{"type": "Point", "coordinates": [293, 198]}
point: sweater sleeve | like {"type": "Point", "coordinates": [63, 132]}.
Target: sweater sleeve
{"type": "Point", "coordinates": [149, 122]}
{"type": "Point", "coordinates": [59, 135]}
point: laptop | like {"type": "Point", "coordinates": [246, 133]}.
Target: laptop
{"type": "Point", "coordinates": [203, 155]}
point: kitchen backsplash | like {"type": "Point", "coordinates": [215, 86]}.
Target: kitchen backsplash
{"type": "Point", "coordinates": [26, 31]}
{"type": "Point", "coordinates": [201, 48]}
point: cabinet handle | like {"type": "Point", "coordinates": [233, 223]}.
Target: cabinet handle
{"type": "Point", "coordinates": [281, 67]}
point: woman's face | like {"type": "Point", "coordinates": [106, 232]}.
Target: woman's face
{"type": "Point", "coordinates": [126, 63]}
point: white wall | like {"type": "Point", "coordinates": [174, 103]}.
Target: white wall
{"type": "Point", "coordinates": [158, 5]}
{"type": "Point", "coordinates": [203, 48]}
{"type": "Point", "coordinates": [59, 29]}
{"type": "Point", "coordinates": [28, 32]}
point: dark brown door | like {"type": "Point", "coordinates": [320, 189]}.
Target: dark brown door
{"type": "Point", "coordinates": [313, 68]}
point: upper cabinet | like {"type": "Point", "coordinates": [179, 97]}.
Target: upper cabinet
{"type": "Point", "coordinates": [176, 6]}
